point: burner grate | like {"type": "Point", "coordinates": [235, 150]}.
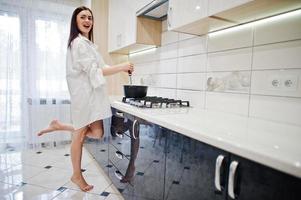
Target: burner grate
{"type": "Point", "coordinates": [155, 102]}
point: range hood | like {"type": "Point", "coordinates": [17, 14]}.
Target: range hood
{"type": "Point", "coordinates": [157, 10]}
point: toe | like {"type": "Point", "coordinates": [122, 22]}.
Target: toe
{"type": "Point", "coordinates": [88, 188]}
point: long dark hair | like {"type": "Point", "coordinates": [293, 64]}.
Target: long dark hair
{"type": "Point", "coordinates": [74, 31]}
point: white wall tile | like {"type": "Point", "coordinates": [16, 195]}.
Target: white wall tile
{"type": "Point", "coordinates": [167, 66]}
{"type": "Point", "coordinates": [151, 91]}
{"type": "Point", "coordinates": [148, 80]}
{"type": "Point", "coordinates": [236, 81]}
{"type": "Point", "coordinates": [169, 37]}
{"type": "Point", "coordinates": [195, 98]}
{"type": "Point", "coordinates": [289, 82]}
{"type": "Point", "coordinates": [282, 28]}
{"type": "Point", "coordinates": [239, 59]}
{"type": "Point", "coordinates": [181, 66]}
{"type": "Point", "coordinates": [196, 45]}
{"type": "Point", "coordinates": [145, 68]}
{"type": "Point", "coordinates": [227, 102]}
{"type": "Point", "coordinates": [236, 37]}
{"type": "Point", "coordinates": [145, 56]}
{"type": "Point", "coordinates": [191, 81]}
{"type": "Point", "coordinates": [278, 56]}
{"type": "Point", "coordinates": [165, 80]}
{"type": "Point", "coordinates": [282, 109]}
{"type": "Point", "coordinates": [166, 93]}
{"type": "Point", "coordinates": [168, 51]}
{"type": "Point", "coordinates": [192, 63]}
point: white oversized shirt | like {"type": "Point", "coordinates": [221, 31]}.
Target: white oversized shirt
{"type": "Point", "coordinates": [87, 86]}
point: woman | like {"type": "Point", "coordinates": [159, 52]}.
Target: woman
{"type": "Point", "coordinates": [85, 77]}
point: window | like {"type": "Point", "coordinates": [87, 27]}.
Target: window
{"type": "Point", "coordinates": [10, 72]}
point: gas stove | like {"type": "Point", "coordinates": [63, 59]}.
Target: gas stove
{"type": "Point", "coordinates": [155, 102]}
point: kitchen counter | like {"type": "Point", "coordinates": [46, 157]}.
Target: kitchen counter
{"type": "Point", "coordinates": [270, 143]}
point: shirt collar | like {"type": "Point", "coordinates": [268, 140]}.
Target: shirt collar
{"type": "Point", "coordinates": [86, 39]}
{"type": "Point", "coordinates": [83, 37]}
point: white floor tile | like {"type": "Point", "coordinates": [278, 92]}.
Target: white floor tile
{"type": "Point", "coordinates": [10, 159]}
{"type": "Point", "coordinates": [27, 166]}
{"type": "Point", "coordinates": [93, 167]}
{"type": "Point", "coordinates": [78, 195]}
{"type": "Point", "coordinates": [39, 159]}
{"type": "Point", "coordinates": [114, 197]}
{"type": "Point", "coordinates": [52, 178]}
{"type": "Point", "coordinates": [25, 192]}
{"type": "Point", "coordinates": [20, 173]}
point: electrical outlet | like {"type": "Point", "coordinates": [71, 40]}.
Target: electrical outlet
{"type": "Point", "coordinates": [274, 82]}
{"type": "Point", "coordinates": [290, 82]}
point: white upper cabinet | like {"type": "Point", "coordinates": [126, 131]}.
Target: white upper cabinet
{"type": "Point", "coordinates": [202, 16]}
{"type": "Point", "coordinates": [128, 33]}
{"type": "Point", "coordinates": [217, 6]}
{"type": "Point", "coordinates": [185, 12]}
{"type": "Point", "coordinates": [122, 24]}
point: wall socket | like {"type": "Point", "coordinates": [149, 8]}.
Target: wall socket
{"type": "Point", "coordinates": [283, 83]}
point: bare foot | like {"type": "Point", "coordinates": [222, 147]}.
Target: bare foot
{"type": "Point", "coordinates": [81, 183]}
{"type": "Point", "coordinates": [53, 126]}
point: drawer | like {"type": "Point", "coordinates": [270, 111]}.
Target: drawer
{"type": "Point", "coordinates": [123, 144]}
{"type": "Point", "coordinates": [115, 176]}
{"type": "Point", "coordinates": [119, 159]}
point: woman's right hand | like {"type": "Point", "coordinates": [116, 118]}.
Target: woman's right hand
{"type": "Point", "coordinates": [127, 67]}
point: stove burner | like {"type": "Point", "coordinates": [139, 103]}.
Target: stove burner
{"type": "Point", "coordinates": [155, 102]}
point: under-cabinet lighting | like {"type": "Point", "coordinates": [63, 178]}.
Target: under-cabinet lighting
{"type": "Point", "coordinates": [144, 51]}
{"type": "Point", "coordinates": [258, 22]}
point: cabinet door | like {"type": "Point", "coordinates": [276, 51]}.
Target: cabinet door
{"type": "Point", "coordinates": [216, 6]}
{"type": "Point", "coordinates": [181, 12]}
{"type": "Point", "coordinates": [255, 181]}
{"type": "Point", "coordinates": [149, 164]}
{"type": "Point", "coordinates": [190, 169]}
{"type": "Point", "coordinates": [122, 24]}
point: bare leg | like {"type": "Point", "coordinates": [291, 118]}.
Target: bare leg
{"type": "Point", "coordinates": [56, 125]}
{"type": "Point", "coordinates": [76, 157]}
{"type": "Point", "coordinates": [95, 130]}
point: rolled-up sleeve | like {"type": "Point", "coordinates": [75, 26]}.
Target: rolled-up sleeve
{"type": "Point", "coordinates": [85, 59]}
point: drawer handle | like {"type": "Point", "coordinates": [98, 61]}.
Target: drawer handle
{"type": "Point", "coordinates": [133, 129]}
{"type": "Point", "coordinates": [119, 154]}
{"type": "Point", "coordinates": [118, 175]}
{"type": "Point", "coordinates": [120, 114]}
{"type": "Point", "coordinates": [217, 178]}
{"type": "Point", "coordinates": [232, 172]}
{"type": "Point", "coordinates": [119, 135]}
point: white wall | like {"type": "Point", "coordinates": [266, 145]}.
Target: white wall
{"type": "Point", "coordinates": [230, 71]}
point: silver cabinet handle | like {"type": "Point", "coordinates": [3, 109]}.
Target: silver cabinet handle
{"type": "Point", "coordinates": [119, 154]}
{"type": "Point", "coordinates": [120, 114]}
{"type": "Point", "coordinates": [218, 164]}
{"type": "Point", "coordinates": [169, 17]}
{"type": "Point", "coordinates": [232, 171]}
{"type": "Point", "coordinates": [133, 129]}
{"type": "Point", "coordinates": [119, 135]}
{"type": "Point", "coordinates": [118, 175]}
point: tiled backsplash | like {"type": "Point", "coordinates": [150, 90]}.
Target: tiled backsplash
{"type": "Point", "coordinates": [252, 70]}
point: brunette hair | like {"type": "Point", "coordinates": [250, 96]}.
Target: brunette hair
{"type": "Point", "coordinates": [74, 31]}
